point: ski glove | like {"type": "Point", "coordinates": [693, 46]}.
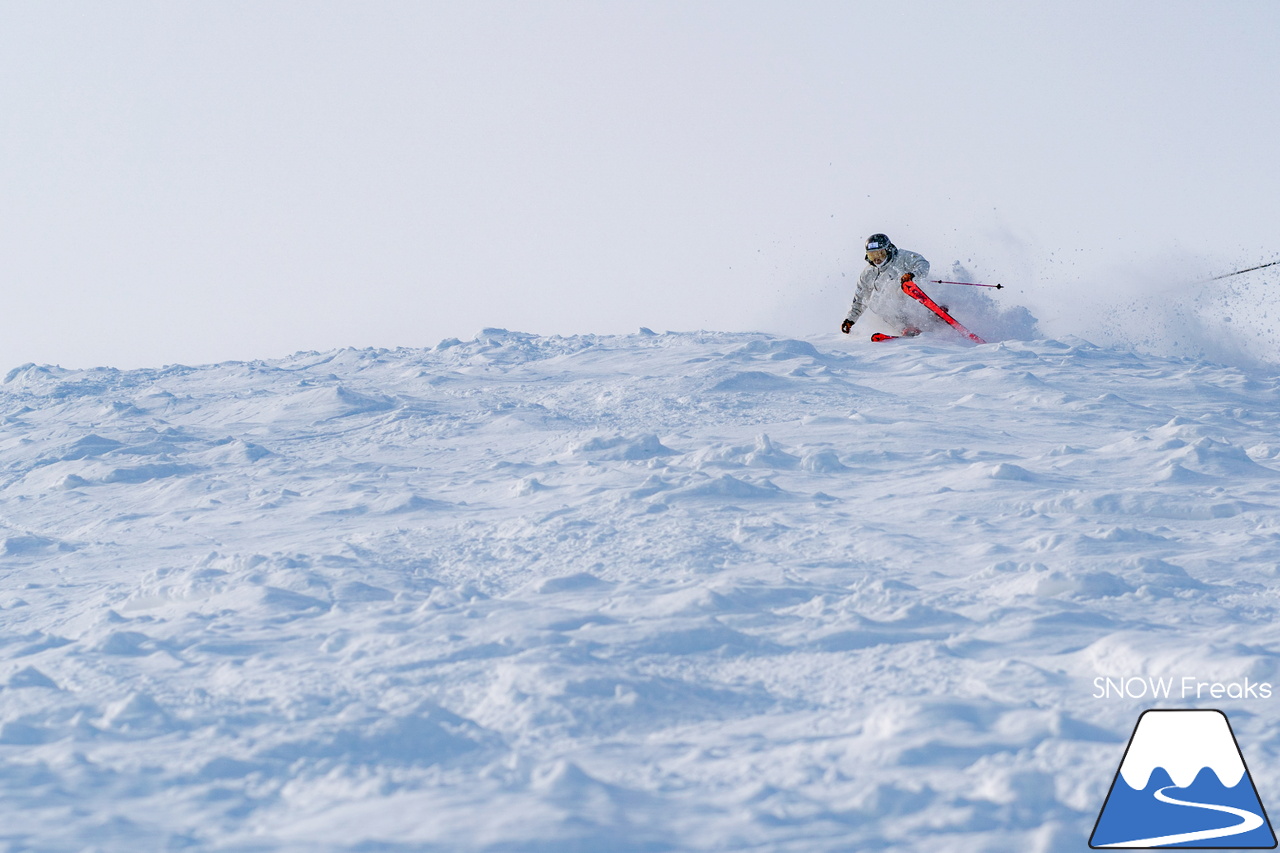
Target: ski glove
{"type": "Point", "coordinates": [908, 276]}
{"type": "Point", "coordinates": [846, 326]}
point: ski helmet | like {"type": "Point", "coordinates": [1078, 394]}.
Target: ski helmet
{"type": "Point", "coordinates": [882, 247]}
{"type": "Point", "coordinates": [878, 241]}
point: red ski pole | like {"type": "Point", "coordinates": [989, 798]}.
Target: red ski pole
{"type": "Point", "coordinates": [966, 283]}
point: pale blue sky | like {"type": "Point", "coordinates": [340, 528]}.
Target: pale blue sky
{"type": "Point", "coordinates": [192, 182]}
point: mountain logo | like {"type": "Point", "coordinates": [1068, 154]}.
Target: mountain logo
{"type": "Point", "coordinates": [1182, 783]}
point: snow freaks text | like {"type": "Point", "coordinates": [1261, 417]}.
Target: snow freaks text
{"type": "Point", "coordinates": [1186, 687]}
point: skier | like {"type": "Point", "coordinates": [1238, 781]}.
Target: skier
{"type": "Point", "coordinates": [880, 288]}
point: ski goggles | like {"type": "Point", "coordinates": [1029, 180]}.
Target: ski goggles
{"type": "Point", "coordinates": [877, 256]}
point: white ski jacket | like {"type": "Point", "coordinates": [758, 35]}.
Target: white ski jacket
{"type": "Point", "coordinates": [880, 290]}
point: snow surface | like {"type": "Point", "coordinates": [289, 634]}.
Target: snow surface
{"type": "Point", "coordinates": [657, 592]}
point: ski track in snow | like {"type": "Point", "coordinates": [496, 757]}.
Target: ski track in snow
{"type": "Point", "coordinates": [696, 591]}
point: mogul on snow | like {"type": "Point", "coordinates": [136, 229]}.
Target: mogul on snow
{"type": "Point", "coordinates": [880, 288]}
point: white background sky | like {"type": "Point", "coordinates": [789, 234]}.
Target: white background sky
{"type": "Point", "coordinates": [195, 182]}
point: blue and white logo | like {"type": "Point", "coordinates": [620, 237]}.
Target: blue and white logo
{"type": "Point", "coordinates": [1183, 783]}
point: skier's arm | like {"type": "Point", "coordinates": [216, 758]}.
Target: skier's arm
{"type": "Point", "coordinates": [860, 298]}
{"type": "Point", "coordinates": [916, 265]}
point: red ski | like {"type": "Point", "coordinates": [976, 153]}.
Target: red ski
{"type": "Point", "coordinates": [913, 290]}
{"type": "Point", "coordinates": [880, 336]}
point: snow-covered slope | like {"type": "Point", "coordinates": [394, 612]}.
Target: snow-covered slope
{"type": "Point", "coordinates": [644, 593]}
